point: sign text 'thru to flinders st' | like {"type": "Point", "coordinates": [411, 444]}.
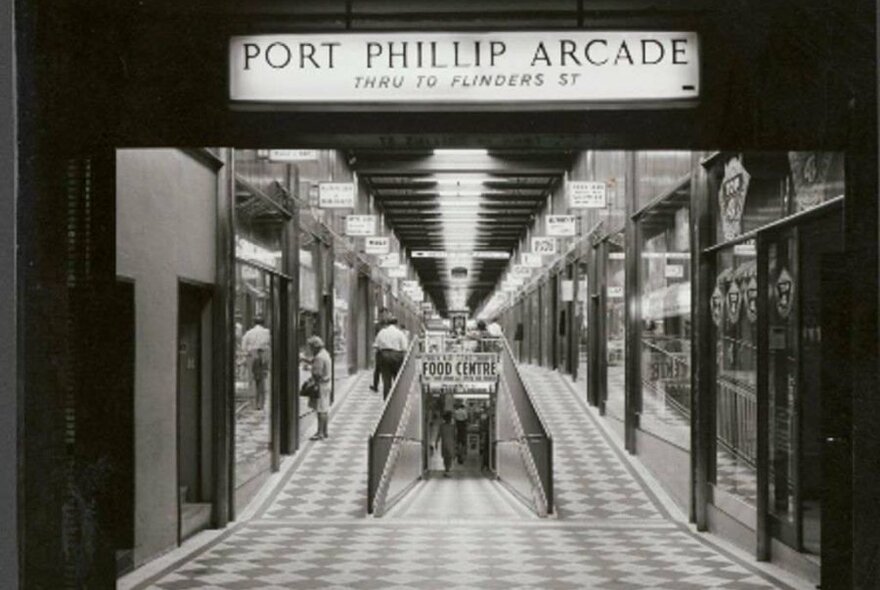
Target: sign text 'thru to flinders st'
{"type": "Point", "coordinates": [465, 68]}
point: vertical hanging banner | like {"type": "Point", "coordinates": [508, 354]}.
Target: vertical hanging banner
{"type": "Point", "coordinates": [584, 194]}
{"type": "Point", "coordinates": [336, 195]}
{"type": "Point", "coordinates": [360, 225]}
{"type": "Point", "coordinates": [600, 68]}
{"type": "Point", "coordinates": [561, 225]}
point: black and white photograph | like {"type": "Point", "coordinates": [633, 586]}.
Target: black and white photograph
{"type": "Point", "coordinates": [462, 295]}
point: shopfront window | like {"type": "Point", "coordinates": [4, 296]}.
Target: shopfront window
{"type": "Point", "coordinates": [757, 188]}
{"type": "Point", "coordinates": [308, 324]}
{"type": "Point", "coordinates": [615, 326]}
{"type": "Point", "coordinates": [734, 314]}
{"type": "Point", "coordinates": [343, 319]}
{"type": "Point", "coordinates": [582, 314]}
{"type": "Point", "coordinates": [665, 297]}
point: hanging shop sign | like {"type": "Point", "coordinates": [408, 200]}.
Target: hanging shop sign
{"type": "Point", "coordinates": [583, 194]}
{"type": "Point", "coordinates": [732, 197]}
{"type": "Point", "coordinates": [561, 225]}
{"type": "Point", "coordinates": [377, 245]}
{"type": "Point", "coordinates": [784, 290]}
{"type": "Point", "coordinates": [360, 225]}
{"type": "Point", "coordinates": [409, 285]}
{"type": "Point", "coordinates": [544, 246]}
{"type": "Point", "coordinates": [520, 270]}
{"type": "Point", "coordinates": [459, 368]}
{"type": "Point", "coordinates": [531, 260]}
{"type": "Point", "coordinates": [248, 250]}
{"type": "Point", "coordinates": [336, 195]}
{"type": "Point", "coordinates": [390, 260]}
{"type": "Point", "coordinates": [462, 68]}
{"type": "Point", "coordinates": [293, 155]}
{"type": "Point", "coordinates": [567, 288]}
{"type": "Point", "coordinates": [615, 292]}
{"type": "Point", "coordinates": [396, 272]}
{"type": "Point", "coordinates": [674, 271]}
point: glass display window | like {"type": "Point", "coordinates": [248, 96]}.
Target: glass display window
{"type": "Point", "coordinates": [615, 326]}
{"type": "Point", "coordinates": [665, 299]}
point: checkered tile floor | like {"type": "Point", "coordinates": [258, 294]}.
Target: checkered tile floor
{"type": "Point", "coordinates": [251, 434]}
{"type": "Point", "coordinates": [590, 479]}
{"type": "Point", "coordinates": [312, 532]}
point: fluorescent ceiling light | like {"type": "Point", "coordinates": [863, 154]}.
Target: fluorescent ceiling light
{"type": "Point", "coordinates": [456, 203]}
{"type": "Point", "coordinates": [458, 193]}
{"type": "Point", "coordinates": [467, 152]}
{"type": "Point", "coordinates": [458, 181]}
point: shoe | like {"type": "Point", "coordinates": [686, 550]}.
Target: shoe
{"type": "Point", "coordinates": [316, 437]}
{"type": "Point", "coordinates": [374, 389]}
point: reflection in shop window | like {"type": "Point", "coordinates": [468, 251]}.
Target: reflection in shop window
{"type": "Point", "coordinates": [734, 315]}
{"type": "Point", "coordinates": [664, 277]}
{"type": "Point", "coordinates": [615, 325]}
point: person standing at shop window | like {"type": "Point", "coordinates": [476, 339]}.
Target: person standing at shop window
{"type": "Point", "coordinates": [322, 371]}
{"type": "Point", "coordinates": [255, 343]}
{"type": "Point", "coordinates": [383, 316]}
{"type": "Point", "coordinates": [391, 344]}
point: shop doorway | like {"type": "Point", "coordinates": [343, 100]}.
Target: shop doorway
{"type": "Point", "coordinates": [194, 408]}
{"type": "Point", "coordinates": [799, 268]}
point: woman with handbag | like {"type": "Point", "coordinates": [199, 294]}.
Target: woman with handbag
{"type": "Point", "coordinates": [322, 372]}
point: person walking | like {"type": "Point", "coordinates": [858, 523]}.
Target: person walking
{"type": "Point", "coordinates": [255, 343]}
{"type": "Point", "coordinates": [383, 316]}
{"type": "Point", "coordinates": [391, 345]}
{"type": "Point", "coordinates": [446, 441]}
{"type": "Point", "coordinates": [461, 427]}
{"type": "Point", "coordinates": [322, 370]}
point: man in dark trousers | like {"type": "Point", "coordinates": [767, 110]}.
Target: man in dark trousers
{"type": "Point", "coordinates": [391, 344]}
{"type": "Point", "coordinates": [383, 315]}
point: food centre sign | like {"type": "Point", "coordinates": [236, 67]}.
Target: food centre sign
{"type": "Point", "coordinates": [459, 368]}
{"type": "Point", "coordinates": [465, 68]}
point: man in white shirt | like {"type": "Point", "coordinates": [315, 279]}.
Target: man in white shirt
{"type": "Point", "coordinates": [494, 329]}
{"type": "Point", "coordinates": [390, 344]}
{"type": "Point", "coordinates": [256, 342]}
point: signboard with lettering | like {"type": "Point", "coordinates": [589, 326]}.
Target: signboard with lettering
{"type": "Point", "coordinates": [390, 260]}
{"type": "Point", "coordinates": [520, 270]}
{"type": "Point", "coordinates": [409, 285]}
{"type": "Point", "coordinates": [544, 246]}
{"type": "Point", "coordinates": [584, 194]}
{"type": "Point", "coordinates": [360, 225]}
{"type": "Point", "coordinates": [377, 245]}
{"type": "Point", "coordinates": [459, 368]}
{"type": "Point", "coordinates": [567, 288]}
{"type": "Point", "coordinates": [510, 67]}
{"type": "Point", "coordinates": [293, 155]}
{"type": "Point", "coordinates": [396, 272]}
{"type": "Point", "coordinates": [531, 259]}
{"type": "Point", "coordinates": [561, 225]}
{"type": "Point", "coordinates": [336, 195]}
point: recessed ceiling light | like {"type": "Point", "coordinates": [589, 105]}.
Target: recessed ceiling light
{"type": "Point", "coordinates": [464, 152]}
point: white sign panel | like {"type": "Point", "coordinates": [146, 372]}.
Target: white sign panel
{"type": "Point", "coordinates": [674, 271]}
{"type": "Point", "coordinates": [360, 225]}
{"type": "Point", "coordinates": [520, 270]}
{"type": "Point", "coordinates": [293, 155]}
{"type": "Point", "coordinates": [544, 246]}
{"type": "Point", "coordinates": [561, 225]}
{"type": "Point", "coordinates": [397, 272]}
{"type": "Point", "coordinates": [615, 292]}
{"type": "Point", "coordinates": [531, 259]}
{"type": "Point", "coordinates": [465, 67]}
{"type": "Point", "coordinates": [586, 195]}
{"type": "Point", "coordinates": [377, 245]}
{"type": "Point", "coordinates": [567, 288]}
{"type": "Point", "coordinates": [409, 285]}
{"type": "Point", "coordinates": [336, 195]}
{"type": "Point", "coordinates": [389, 260]}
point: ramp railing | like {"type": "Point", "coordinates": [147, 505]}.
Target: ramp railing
{"type": "Point", "coordinates": [396, 440]}
{"type": "Point", "coordinates": [524, 447]}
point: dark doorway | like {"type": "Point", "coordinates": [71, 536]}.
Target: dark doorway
{"type": "Point", "coordinates": [193, 409]}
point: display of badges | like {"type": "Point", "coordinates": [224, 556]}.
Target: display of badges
{"type": "Point", "coordinates": [734, 302]}
{"type": "Point", "coordinates": [732, 197]}
{"type": "Point", "coordinates": [752, 300]}
{"type": "Point", "coordinates": [784, 290]}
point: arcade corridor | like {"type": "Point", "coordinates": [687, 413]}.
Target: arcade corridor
{"type": "Point", "coordinates": [308, 529]}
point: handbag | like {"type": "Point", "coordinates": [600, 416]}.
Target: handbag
{"type": "Point", "coordinates": [309, 389]}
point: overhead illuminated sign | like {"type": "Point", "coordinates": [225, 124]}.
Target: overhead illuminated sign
{"type": "Point", "coordinates": [542, 67]}
{"type": "Point", "coordinates": [464, 255]}
{"type": "Point", "coordinates": [459, 368]}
